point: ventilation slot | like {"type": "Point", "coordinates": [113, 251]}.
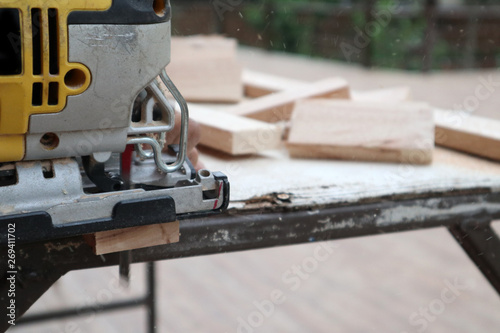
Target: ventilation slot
{"type": "Point", "coordinates": [36, 30]}
{"type": "Point", "coordinates": [53, 42]}
{"type": "Point", "coordinates": [8, 175]}
{"type": "Point", "coordinates": [53, 93]}
{"type": "Point", "coordinates": [48, 170]}
{"type": "Point", "coordinates": [37, 96]}
{"type": "Point", "coordinates": [10, 42]}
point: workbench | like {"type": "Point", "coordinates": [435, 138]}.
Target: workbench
{"type": "Point", "coordinates": [277, 201]}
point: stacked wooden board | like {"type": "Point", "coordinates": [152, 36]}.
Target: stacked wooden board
{"type": "Point", "coordinates": [351, 130]}
{"type": "Point", "coordinates": [465, 132]}
{"type": "Point", "coordinates": [233, 134]}
{"type": "Point", "coordinates": [205, 69]}
{"type": "Point", "coordinates": [456, 129]}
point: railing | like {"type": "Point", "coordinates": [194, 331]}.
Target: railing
{"type": "Point", "coordinates": [469, 33]}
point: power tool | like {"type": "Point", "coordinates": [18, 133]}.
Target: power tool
{"type": "Point", "coordinates": [84, 117]}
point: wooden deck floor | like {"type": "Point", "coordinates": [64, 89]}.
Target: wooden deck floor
{"type": "Point", "coordinates": [377, 284]}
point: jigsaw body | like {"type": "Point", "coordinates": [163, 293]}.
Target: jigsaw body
{"type": "Point", "coordinates": [83, 119]}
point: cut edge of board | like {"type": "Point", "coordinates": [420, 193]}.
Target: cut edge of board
{"type": "Point", "coordinates": [235, 135]}
{"type": "Point", "coordinates": [468, 142]}
{"type": "Point", "coordinates": [468, 133]}
{"type": "Point", "coordinates": [118, 240]}
{"type": "Point", "coordinates": [368, 154]}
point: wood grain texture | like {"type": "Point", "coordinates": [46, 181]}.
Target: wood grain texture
{"type": "Point", "coordinates": [259, 84]}
{"type": "Point", "coordinates": [468, 133]}
{"type": "Point", "coordinates": [205, 69]}
{"type": "Point", "coordinates": [232, 134]}
{"type": "Point", "coordinates": [278, 106]}
{"type": "Point", "coordinates": [134, 238]}
{"type": "Point", "coordinates": [362, 131]}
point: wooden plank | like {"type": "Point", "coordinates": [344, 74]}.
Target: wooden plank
{"type": "Point", "coordinates": [362, 131]}
{"type": "Point", "coordinates": [386, 95]}
{"type": "Point", "coordinates": [134, 238]}
{"type": "Point", "coordinates": [211, 46]}
{"type": "Point", "coordinates": [468, 133]}
{"type": "Point", "coordinates": [205, 69]}
{"type": "Point", "coordinates": [278, 106]}
{"type": "Point", "coordinates": [232, 134]}
{"type": "Point", "coordinates": [259, 84]}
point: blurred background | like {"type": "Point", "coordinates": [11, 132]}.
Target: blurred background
{"type": "Point", "coordinates": [413, 35]}
{"type": "Point", "coordinates": [368, 284]}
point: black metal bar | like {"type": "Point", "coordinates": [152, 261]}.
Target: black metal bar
{"type": "Point", "coordinates": [30, 286]}
{"type": "Point", "coordinates": [124, 267]}
{"type": "Point", "coordinates": [82, 311]}
{"type": "Point", "coordinates": [149, 300]}
{"type": "Point", "coordinates": [151, 297]}
{"type": "Point", "coordinates": [482, 245]}
{"type": "Point", "coordinates": [258, 229]}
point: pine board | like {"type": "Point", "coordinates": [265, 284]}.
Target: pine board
{"type": "Point", "coordinates": [205, 69]}
{"type": "Point", "coordinates": [232, 134]}
{"type": "Point", "coordinates": [278, 106]}
{"type": "Point", "coordinates": [386, 95]}
{"type": "Point", "coordinates": [468, 133]}
{"type": "Point", "coordinates": [134, 238]}
{"type": "Point", "coordinates": [259, 84]}
{"type": "Point", "coordinates": [362, 131]}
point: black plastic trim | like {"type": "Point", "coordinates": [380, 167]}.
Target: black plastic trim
{"type": "Point", "coordinates": [37, 226]}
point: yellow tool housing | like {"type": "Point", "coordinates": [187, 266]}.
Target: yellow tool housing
{"type": "Point", "coordinates": [46, 77]}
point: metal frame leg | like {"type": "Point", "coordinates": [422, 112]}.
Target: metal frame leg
{"type": "Point", "coordinates": [149, 301]}
{"type": "Point", "coordinates": [482, 245]}
{"type": "Point", "coordinates": [29, 288]}
{"type": "Point", "coordinates": [151, 296]}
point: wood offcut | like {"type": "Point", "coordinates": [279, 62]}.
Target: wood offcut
{"type": "Point", "coordinates": [349, 130]}
{"type": "Point", "coordinates": [234, 135]}
{"type": "Point", "coordinates": [205, 69]}
{"type": "Point", "coordinates": [278, 106]}
{"type": "Point", "coordinates": [133, 238]}
{"type": "Point", "coordinates": [465, 132]}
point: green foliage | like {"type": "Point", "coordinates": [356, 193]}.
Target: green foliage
{"type": "Point", "coordinates": [396, 44]}
{"type": "Point", "coordinates": [298, 26]}
{"type": "Point", "coordinates": [278, 21]}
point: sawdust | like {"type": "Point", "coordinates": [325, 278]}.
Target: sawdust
{"type": "Point", "coordinates": [59, 247]}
